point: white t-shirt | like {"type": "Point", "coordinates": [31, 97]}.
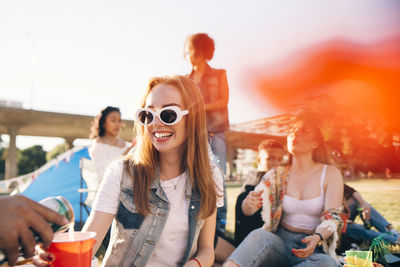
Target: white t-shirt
{"type": "Point", "coordinates": [175, 233]}
{"type": "Point", "coordinates": [174, 236]}
{"type": "Point", "coordinates": [103, 154]}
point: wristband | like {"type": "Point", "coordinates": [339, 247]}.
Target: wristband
{"type": "Point", "coordinates": [320, 236]}
{"type": "Point", "coordinates": [196, 260]}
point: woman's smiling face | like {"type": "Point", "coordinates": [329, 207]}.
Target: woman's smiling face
{"type": "Point", "coordinates": [166, 138]}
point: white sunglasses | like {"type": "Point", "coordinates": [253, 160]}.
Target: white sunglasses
{"type": "Point", "coordinates": [167, 115]}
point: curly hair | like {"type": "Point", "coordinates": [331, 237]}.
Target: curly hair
{"type": "Point", "coordinates": [97, 129]}
{"type": "Point", "coordinates": [202, 43]}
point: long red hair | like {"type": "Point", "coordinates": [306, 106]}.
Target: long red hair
{"type": "Point", "coordinates": [142, 164]}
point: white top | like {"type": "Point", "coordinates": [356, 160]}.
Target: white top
{"type": "Point", "coordinates": [173, 239]}
{"type": "Point", "coordinates": [305, 214]}
{"type": "Point", "coordinates": [103, 154]}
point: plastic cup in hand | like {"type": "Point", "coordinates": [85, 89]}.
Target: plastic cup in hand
{"type": "Point", "coordinates": [359, 258]}
{"type": "Point", "coordinates": [344, 218]}
{"type": "Point", "coordinates": [76, 252]}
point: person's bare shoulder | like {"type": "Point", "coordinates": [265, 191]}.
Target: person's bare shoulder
{"type": "Point", "coordinates": [333, 170]}
{"type": "Point", "coordinates": [333, 175]}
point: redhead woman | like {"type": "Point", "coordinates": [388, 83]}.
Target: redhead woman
{"type": "Point", "coordinates": [162, 199]}
{"type": "Point", "coordinates": [305, 201]}
{"type": "Point", "coordinates": [106, 146]}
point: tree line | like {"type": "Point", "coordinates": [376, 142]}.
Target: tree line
{"type": "Point", "coordinates": [31, 158]}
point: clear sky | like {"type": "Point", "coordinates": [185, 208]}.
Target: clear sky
{"type": "Point", "coordinates": [79, 56]}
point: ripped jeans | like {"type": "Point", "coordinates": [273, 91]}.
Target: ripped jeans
{"type": "Point", "coordinates": [263, 248]}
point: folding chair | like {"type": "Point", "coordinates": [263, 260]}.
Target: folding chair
{"type": "Point", "coordinates": [92, 180]}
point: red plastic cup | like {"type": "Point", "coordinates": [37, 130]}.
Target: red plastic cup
{"type": "Point", "coordinates": [344, 217]}
{"type": "Point", "coordinates": [76, 252]}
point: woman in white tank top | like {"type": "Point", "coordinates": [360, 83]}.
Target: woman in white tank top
{"type": "Point", "coordinates": [305, 193]}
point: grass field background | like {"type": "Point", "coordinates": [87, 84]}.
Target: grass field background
{"type": "Point", "coordinates": [382, 194]}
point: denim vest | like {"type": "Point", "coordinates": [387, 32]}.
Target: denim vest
{"type": "Point", "coordinates": [211, 86]}
{"type": "Point", "coordinates": [134, 237]}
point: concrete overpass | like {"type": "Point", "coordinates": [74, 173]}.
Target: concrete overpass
{"type": "Point", "coordinates": [18, 121]}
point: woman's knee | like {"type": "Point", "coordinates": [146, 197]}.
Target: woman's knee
{"type": "Point", "coordinates": [258, 247]}
{"type": "Point", "coordinates": [260, 236]}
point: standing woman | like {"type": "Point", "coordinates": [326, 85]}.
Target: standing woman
{"type": "Point", "coordinates": [306, 200]}
{"type": "Point", "coordinates": [213, 84]}
{"type": "Point", "coordinates": [106, 146]}
{"type": "Point", "coordinates": [161, 199]}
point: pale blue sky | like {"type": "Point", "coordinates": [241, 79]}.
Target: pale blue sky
{"type": "Point", "coordinates": [80, 56]}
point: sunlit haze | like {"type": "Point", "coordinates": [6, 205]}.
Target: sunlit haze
{"type": "Point", "coordinates": [80, 56]}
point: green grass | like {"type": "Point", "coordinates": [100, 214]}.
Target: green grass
{"type": "Point", "coordinates": [383, 195]}
{"type": "Point", "coordinates": [232, 191]}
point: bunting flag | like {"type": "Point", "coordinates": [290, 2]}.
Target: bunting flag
{"type": "Point", "coordinates": [20, 183]}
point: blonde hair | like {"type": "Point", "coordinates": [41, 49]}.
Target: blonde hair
{"type": "Point", "coordinates": [196, 161]}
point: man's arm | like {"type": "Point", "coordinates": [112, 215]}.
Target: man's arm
{"type": "Point", "coordinates": [19, 216]}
